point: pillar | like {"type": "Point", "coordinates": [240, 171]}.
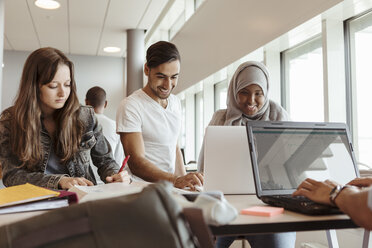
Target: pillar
{"type": "Point", "coordinates": [135, 59]}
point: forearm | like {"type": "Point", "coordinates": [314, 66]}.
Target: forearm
{"type": "Point", "coordinates": [18, 176]}
{"type": "Point", "coordinates": [354, 203]}
{"type": "Point", "coordinates": [146, 170]}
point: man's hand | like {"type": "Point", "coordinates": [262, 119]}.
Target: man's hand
{"type": "Point", "coordinates": [361, 182]}
{"type": "Point", "coordinates": [189, 180]}
{"type": "Point", "coordinates": [315, 190]}
{"type": "Point", "coordinates": [120, 177]}
{"type": "Point", "coordinates": [68, 182]}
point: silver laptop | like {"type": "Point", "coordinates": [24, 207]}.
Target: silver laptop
{"type": "Point", "coordinates": [286, 153]}
{"type": "Point", "coordinates": [227, 164]}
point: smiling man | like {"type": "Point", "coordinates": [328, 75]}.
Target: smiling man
{"type": "Point", "coordinates": [149, 122]}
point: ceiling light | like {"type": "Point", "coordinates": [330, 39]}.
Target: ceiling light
{"type": "Point", "coordinates": [111, 49]}
{"type": "Point", "coordinates": [47, 4]}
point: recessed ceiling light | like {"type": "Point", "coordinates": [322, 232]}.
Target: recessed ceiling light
{"type": "Point", "coordinates": [47, 4]}
{"type": "Point", "coordinates": [111, 49]}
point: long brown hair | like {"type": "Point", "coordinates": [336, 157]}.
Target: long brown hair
{"type": "Point", "coordinates": [39, 69]}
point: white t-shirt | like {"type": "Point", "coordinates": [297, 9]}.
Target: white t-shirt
{"type": "Point", "coordinates": [160, 127]}
{"type": "Point", "coordinates": [109, 131]}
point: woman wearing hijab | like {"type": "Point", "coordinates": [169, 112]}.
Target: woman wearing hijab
{"type": "Point", "coordinates": [247, 99]}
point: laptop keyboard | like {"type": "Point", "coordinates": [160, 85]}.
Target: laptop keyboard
{"type": "Point", "coordinates": [299, 204]}
{"type": "Point", "coordinates": [304, 201]}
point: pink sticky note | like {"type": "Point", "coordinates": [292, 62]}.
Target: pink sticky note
{"type": "Point", "coordinates": [262, 211]}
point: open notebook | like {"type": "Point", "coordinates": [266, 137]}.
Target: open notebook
{"type": "Point", "coordinates": [284, 154]}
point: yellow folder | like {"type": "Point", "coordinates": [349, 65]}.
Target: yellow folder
{"type": "Point", "coordinates": [24, 193]}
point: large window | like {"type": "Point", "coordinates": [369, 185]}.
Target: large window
{"type": "Point", "coordinates": [302, 83]}
{"type": "Point", "coordinates": [220, 95]}
{"type": "Point", "coordinates": [199, 132]}
{"type": "Point", "coordinates": [359, 31]}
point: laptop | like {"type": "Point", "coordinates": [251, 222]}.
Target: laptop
{"type": "Point", "coordinates": [284, 154]}
{"type": "Point", "coordinates": [227, 163]}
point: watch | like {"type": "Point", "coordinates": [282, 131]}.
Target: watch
{"type": "Point", "coordinates": [335, 192]}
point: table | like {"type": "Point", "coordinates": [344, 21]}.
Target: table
{"type": "Point", "coordinates": [286, 222]}
{"type": "Point", "coordinates": [247, 224]}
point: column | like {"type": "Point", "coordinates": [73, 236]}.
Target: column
{"type": "Point", "coordinates": [135, 59]}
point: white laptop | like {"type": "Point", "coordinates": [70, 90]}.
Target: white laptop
{"type": "Point", "coordinates": [227, 162]}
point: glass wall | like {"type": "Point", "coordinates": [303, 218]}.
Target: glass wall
{"type": "Point", "coordinates": [303, 81]}
{"type": "Point", "coordinates": [220, 95]}
{"type": "Point", "coordinates": [360, 52]}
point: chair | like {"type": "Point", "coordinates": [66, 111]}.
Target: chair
{"type": "Point", "coordinates": [137, 220]}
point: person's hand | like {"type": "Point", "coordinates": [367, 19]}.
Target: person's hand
{"type": "Point", "coordinates": [361, 182]}
{"type": "Point", "coordinates": [315, 190]}
{"type": "Point", "coordinates": [119, 177]}
{"type": "Point", "coordinates": [68, 182]}
{"type": "Point", "coordinates": [189, 180]}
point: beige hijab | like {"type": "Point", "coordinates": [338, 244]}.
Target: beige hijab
{"type": "Point", "coordinates": [248, 73]}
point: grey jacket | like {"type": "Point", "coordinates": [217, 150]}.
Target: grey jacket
{"type": "Point", "coordinates": [93, 146]}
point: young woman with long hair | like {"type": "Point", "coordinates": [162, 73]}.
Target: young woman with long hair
{"type": "Point", "coordinates": [47, 138]}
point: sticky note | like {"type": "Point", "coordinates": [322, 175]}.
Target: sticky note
{"type": "Point", "coordinates": [262, 211]}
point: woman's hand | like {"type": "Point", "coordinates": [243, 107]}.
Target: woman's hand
{"type": "Point", "coordinates": [119, 177]}
{"type": "Point", "coordinates": [315, 190]}
{"type": "Point", "coordinates": [68, 182]}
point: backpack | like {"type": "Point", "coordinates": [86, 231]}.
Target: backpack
{"type": "Point", "coordinates": [151, 218]}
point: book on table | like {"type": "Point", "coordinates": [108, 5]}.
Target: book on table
{"type": "Point", "coordinates": [28, 197]}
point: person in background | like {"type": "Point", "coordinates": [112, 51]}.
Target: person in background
{"type": "Point", "coordinates": [149, 122]}
{"type": "Point", "coordinates": [354, 198]}
{"type": "Point", "coordinates": [47, 138]}
{"type": "Point", "coordinates": [96, 97]}
{"type": "Point", "coordinates": [247, 99]}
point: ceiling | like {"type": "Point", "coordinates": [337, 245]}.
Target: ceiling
{"type": "Point", "coordinates": [221, 32]}
{"type": "Point", "coordinates": [79, 26]}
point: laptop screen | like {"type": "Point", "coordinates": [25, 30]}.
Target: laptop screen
{"type": "Point", "coordinates": [283, 156]}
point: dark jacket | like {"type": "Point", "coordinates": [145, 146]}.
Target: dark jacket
{"type": "Point", "coordinates": [93, 145]}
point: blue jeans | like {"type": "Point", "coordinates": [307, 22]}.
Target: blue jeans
{"type": "Point", "coordinates": [272, 240]}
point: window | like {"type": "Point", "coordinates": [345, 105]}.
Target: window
{"type": "Point", "coordinates": [359, 32]}
{"type": "Point", "coordinates": [302, 84]}
{"type": "Point", "coordinates": [220, 95]}
{"type": "Point", "coordinates": [199, 132]}
{"type": "Point", "coordinates": [198, 3]}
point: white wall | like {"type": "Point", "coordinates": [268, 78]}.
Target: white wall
{"type": "Point", "coordinates": [106, 72]}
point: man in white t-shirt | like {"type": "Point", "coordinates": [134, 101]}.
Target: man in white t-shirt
{"type": "Point", "coordinates": [96, 97]}
{"type": "Point", "coordinates": [354, 199]}
{"type": "Point", "coordinates": [149, 122]}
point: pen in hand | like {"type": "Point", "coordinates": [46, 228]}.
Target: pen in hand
{"type": "Point", "coordinates": [124, 163]}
